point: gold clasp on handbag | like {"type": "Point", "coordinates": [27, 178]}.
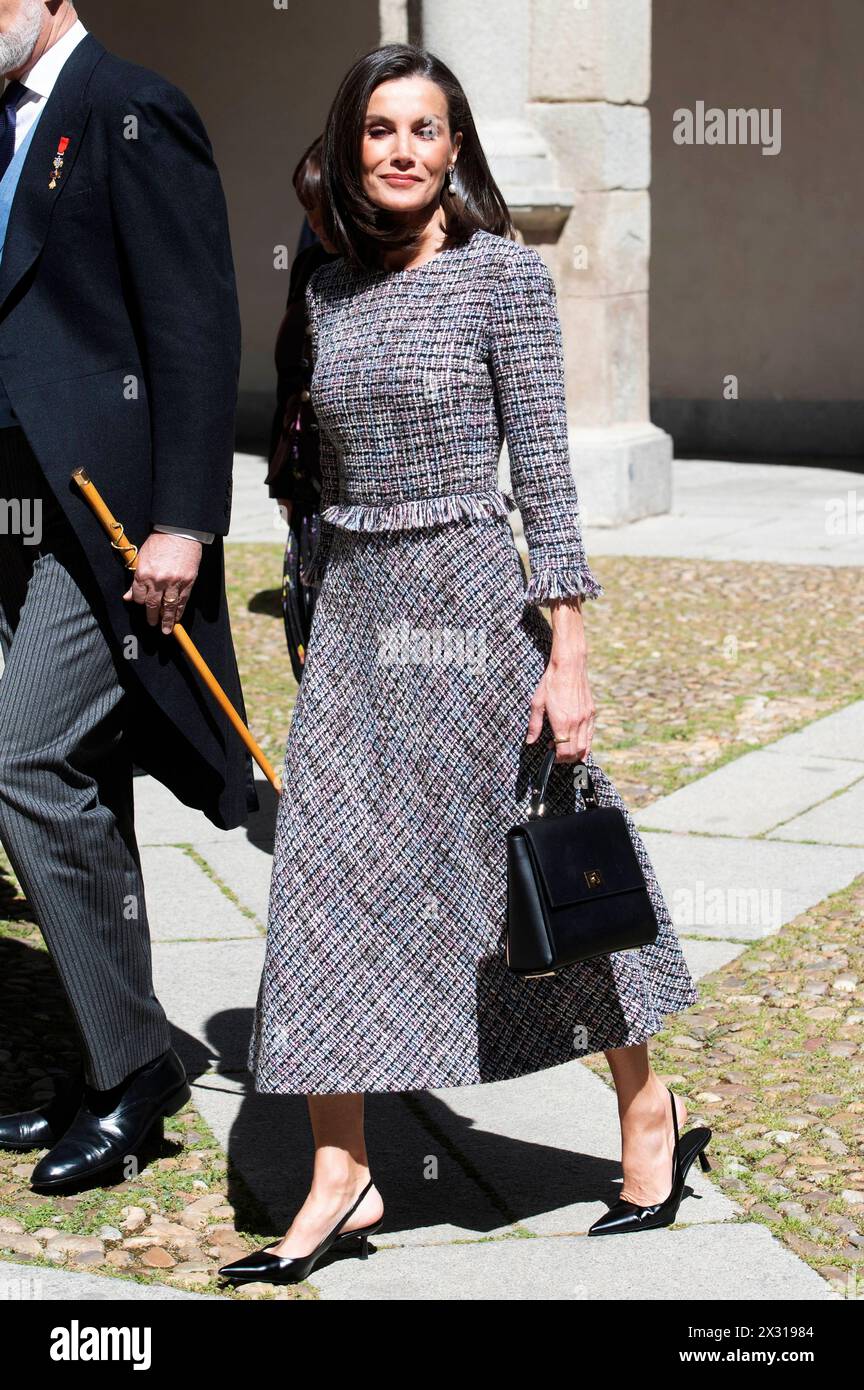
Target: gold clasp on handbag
{"type": "Point", "coordinates": [593, 877]}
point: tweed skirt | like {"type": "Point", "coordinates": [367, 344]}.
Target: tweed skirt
{"type": "Point", "coordinates": [404, 768]}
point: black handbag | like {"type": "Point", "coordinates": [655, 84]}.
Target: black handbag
{"type": "Point", "coordinates": [575, 887]}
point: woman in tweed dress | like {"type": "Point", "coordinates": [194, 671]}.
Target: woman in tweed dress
{"type": "Point", "coordinates": [429, 661]}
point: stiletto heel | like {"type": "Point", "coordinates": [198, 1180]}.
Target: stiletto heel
{"type": "Point", "coordinates": [264, 1266]}
{"type": "Point", "coordinates": [624, 1216]}
{"type": "Point", "coordinates": [345, 1241]}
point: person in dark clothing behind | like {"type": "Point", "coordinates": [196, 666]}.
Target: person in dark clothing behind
{"type": "Point", "coordinates": [294, 477]}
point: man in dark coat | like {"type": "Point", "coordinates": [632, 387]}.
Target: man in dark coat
{"type": "Point", "coordinates": [119, 353]}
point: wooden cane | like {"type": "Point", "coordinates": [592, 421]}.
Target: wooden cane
{"type": "Point", "coordinates": [129, 554]}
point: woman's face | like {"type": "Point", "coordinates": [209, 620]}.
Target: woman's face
{"type": "Point", "coordinates": [407, 146]}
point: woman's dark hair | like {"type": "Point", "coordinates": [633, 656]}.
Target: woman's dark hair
{"type": "Point", "coordinates": [307, 175]}
{"type": "Point", "coordinates": [351, 221]}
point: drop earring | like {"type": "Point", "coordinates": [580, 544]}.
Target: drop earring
{"type": "Point", "coordinates": [451, 187]}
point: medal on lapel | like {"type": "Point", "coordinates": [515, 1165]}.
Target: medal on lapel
{"type": "Point", "coordinates": [58, 160]}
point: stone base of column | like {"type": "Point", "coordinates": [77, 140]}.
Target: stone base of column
{"type": "Point", "coordinates": [622, 473]}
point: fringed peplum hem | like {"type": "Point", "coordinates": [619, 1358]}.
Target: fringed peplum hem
{"type": "Point", "coordinates": [419, 512]}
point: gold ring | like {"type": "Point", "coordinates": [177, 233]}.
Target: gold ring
{"type": "Point", "coordinates": [561, 740]}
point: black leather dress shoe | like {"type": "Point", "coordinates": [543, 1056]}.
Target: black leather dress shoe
{"type": "Point", "coordinates": [264, 1267]}
{"type": "Point", "coordinates": [624, 1217]}
{"type": "Point", "coordinates": [112, 1126]}
{"type": "Point", "coordinates": [42, 1127]}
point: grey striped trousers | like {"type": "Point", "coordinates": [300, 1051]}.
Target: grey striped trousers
{"type": "Point", "coordinates": [66, 798]}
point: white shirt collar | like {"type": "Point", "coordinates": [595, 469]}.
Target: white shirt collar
{"type": "Point", "coordinates": [45, 71]}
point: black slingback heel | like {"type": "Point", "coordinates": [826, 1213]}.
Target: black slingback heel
{"type": "Point", "coordinates": [264, 1267]}
{"type": "Point", "coordinates": [624, 1216]}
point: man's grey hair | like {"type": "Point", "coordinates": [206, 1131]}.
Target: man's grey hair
{"type": "Point", "coordinates": [18, 41]}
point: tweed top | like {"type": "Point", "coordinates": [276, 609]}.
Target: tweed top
{"type": "Point", "coordinates": [453, 356]}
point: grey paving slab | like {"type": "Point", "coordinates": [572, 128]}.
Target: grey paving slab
{"type": "Point", "coordinates": [541, 1150]}
{"type": "Point", "coordinates": [453, 1162]}
{"type": "Point", "coordinates": [837, 735]}
{"type": "Point", "coordinates": [268, 1138]}
{"type": "Point", "coordinates": [469, 1162]}
{"type": "Point", "coordinates": [254, 515]}
{"type": "Point", "coordinates": [692, 537]}
{"type": "Point", "coordinates": [549, 1145]}
{"type": "Point", "coordinates": [160, 819]}
{"type": "Point", "coordinates": [208, 990]}
{"type": "Point", "coordinates": [764, 513]}
{"type": "Point", "coordinates": [209, 993]}
{"type": "Point", "coordinates": [837, 821]}
{"type": "Point", "coordinates": [183, 901]}
{"type": "Point", "coordinates": [23, 1283]}
{"type": "Point", "coordinates": [751, 795]}
{"type": "Point", "coordinates": [772, 540]}
{"type": "Point", "coordinates": [744, 889]}
{"type": "Point", "coordinates": [245, 866]}
{"type": "Point", "coordinates": [704, 957]}
{"type": "Point", "coordinates": [729, 1261]}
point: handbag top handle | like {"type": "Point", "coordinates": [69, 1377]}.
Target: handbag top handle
{"type": "Point", "coordinates": [538, 792]}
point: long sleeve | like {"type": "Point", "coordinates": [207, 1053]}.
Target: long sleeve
{"type": "Point", "coordinates": [329, 464]}
{"type": "Point", "coordinates": [172, 228]}
{"type": "Point", "coordinates": [527, 362]}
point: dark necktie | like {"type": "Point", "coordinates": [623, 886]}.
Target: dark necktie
{"type": "Point", "coordinates": [8, 113]}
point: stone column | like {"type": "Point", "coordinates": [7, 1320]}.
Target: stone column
{"type": "Point", "coordinates": [558, 91]}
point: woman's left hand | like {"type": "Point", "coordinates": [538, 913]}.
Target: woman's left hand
{"type": "Point", "coordinates": [564, 696]}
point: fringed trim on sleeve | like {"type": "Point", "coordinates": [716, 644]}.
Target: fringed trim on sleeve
{"type": "Point", "coordinates": [419, 512]}
{"type": "Point", "coordinates": [546, 585]}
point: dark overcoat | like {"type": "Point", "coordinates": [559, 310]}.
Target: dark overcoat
{"type": "Point", "coordinates": [120, 351]}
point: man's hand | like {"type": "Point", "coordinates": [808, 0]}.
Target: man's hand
{"type": "Point", "coordinates": [167, 568]}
